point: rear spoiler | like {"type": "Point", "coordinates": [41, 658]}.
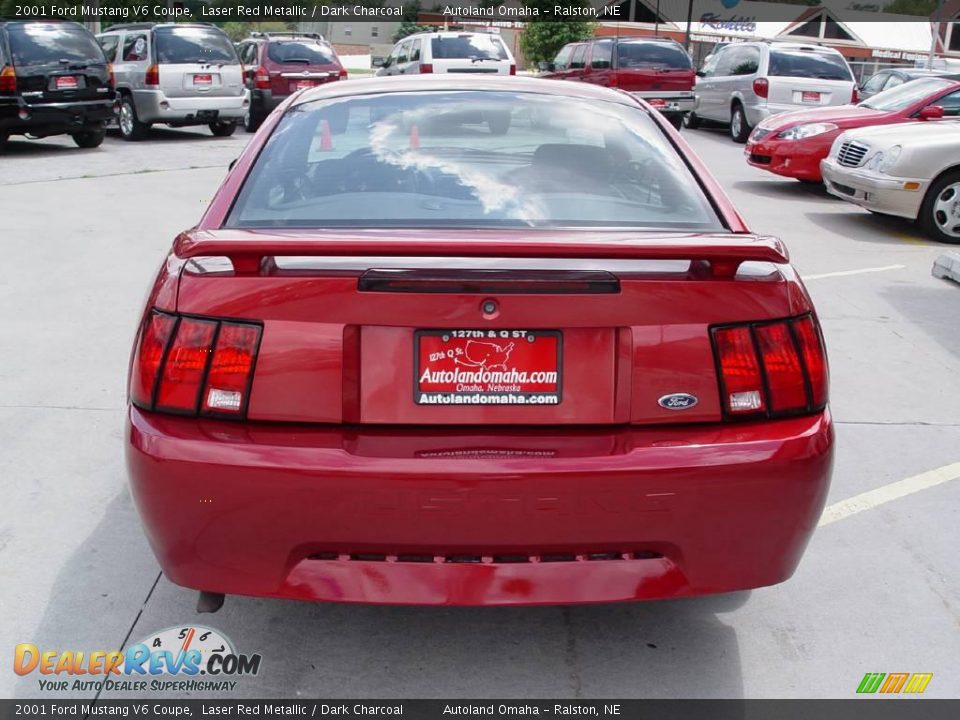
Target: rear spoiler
{"type": "Point", "coordinates": [247, 249]}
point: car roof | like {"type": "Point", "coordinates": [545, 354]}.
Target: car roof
{"type": "Point", "coordinates": [801, 46]}
{"type": "Point", "coordinates": [440, 82]}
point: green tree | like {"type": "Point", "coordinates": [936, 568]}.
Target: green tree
{"type": "Point", "coordinates": [542, 39]}
{"type": "Point", "coordinates": [924, 8]}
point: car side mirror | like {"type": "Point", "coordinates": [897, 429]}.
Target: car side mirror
{"type": "Point", "coordinates": [546, 66]}
{"type": "Point", "coordinates": [701, 73]}
{"type": "Point", "coordinates": [931, 112]}
{"type": "Point", "coordinates": [379, 62]}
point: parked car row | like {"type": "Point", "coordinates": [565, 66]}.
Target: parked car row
{"type": "Point", "coordinates": [57, 78]}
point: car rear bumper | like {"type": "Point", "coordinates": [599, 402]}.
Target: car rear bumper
{"type": "Point", "coordinates": [485, 517]}
{"type": "Point", "coordinates": [885, 195]}
{"type": "Point", "coordinates": [153, 106]}
{"type": "Point", "coordinates": [672, 102]}
{"type": "Point", "coordinates": [53, 118]}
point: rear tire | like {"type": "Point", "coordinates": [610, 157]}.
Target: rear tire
{"type": "Point", "coordinates": [253, 119]}
{"type": "Point", "coordinates": [222, 129]}
{"type": "Point", "coordinates": [940, 213]}
{"type": "Point", "coordinates": [739, 127]}
{"type": "Point", "coordinates": [691, 121]}
{"type": "Point", "coordinates": [676, 120]}
{"type": "Point", "coordinates": [3, 141]}
{"type": "Point", "coordinates": [130, 126]}
{"type": "Point", "coordinates": [90, 138]}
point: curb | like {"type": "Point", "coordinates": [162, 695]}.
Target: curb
{"type": "Point", "coordinates": [947, 266]}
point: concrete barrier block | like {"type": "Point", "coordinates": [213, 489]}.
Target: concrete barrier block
{"type": "Point", "coordinates": [947, 266]}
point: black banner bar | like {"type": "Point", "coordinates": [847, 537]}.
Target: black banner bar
{"type": "Point", "coordinates": [861, 708]}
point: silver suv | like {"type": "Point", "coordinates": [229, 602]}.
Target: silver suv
{"type": "Point", "coordinates": [178, 74]}
{"type": "Point", "coordinates": [745, 83]}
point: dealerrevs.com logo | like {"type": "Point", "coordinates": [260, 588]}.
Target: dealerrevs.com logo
{"type": "Point", "coordinates": [177, 659]}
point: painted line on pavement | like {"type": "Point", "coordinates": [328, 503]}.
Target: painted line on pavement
{"type": "Point", "coordinates": [844, 273]}
{"type": "Point", "coordinates": [889, 493]}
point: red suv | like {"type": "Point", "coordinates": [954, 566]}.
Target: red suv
{"type": "Point", "coordinates": [278, 64]}
{"type": "Point", "coordinates": [659, 70]}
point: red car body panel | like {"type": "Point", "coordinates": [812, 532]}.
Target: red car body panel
{"type": "Point", "coordinates": [800, 159]}
{"type": "Point", "coordinates": [337, 487]}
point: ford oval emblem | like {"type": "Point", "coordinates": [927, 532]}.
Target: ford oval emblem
{"type": "Point", "coordinates": [677, 401]}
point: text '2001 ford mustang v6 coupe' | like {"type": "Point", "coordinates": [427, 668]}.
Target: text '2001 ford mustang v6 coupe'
{"type": "Point", "coordinates": [407, 357]}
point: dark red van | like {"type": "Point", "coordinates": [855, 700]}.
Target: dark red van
{"type": "Point", "coordinates": [659, 70]}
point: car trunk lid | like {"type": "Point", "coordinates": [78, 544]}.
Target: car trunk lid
{"type": "Point", "coordinates": [399, 329]}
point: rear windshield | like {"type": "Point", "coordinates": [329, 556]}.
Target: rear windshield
{"type": "Point", "coordinates": [295, 52]}
{"type": "Point", "coordinates": [41, 44]}
{"type": "Point", "coordinates": [470, 159]}
{"type": "Point", "coordinates": [903, 96]}
{"type": "Point", "coordinates": [652, 55]}
{"type": "Point", "coordinates": [194, 45]}
{"type": "Point", "coordinates": [808, 64]}
{"type": "Point", "coordinates": [484, 47]}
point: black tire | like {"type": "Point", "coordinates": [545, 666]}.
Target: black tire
{"type": "Point", "coordinates": [3, 141]}
{"type": "Point", "coordinates": [932, 217]}
{"type": "Point", "coordinates": [691, 121]}
{"type": "Point", "coordinates": [676, 120]}
{"type": "Point", "coordinates": [90, 138]}
{"type": "Point", "coordinates": [130, 126]}
{"type": "Point", "coordinates": [222, 129]}
{"type": "Point", "coordinates": [739, 127]}
{"type": "Point", "coordinates": [253, 119]}
{"type": "Point", "coordinates": [498, 123]}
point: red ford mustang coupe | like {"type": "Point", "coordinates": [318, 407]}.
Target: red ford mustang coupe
{"type": "Point", "coordinates": [793, 144]}
{"type": "Point", "coordinates": [407, 357]}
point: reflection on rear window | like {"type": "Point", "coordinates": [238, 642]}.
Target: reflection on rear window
{"type": "Point", "coordinates": [808, 64]}
{"type": "Point", "coordinates": [470, 159]}
{"type": "Point", "coordinates": [302, 53]}
{"type": "Point", "coordinates": [40, 44]}
{"type": "Point", "coordinates": [484, 47]}
{"type": "Point", "coordinates": [194, 45]}
{"type": "Point", "coordinates": [905, 95]}
{"type": "Point", "coordinates": [640, 55]}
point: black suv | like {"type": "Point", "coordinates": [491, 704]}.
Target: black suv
{"type": "Point", "coordinates": [54, 80]}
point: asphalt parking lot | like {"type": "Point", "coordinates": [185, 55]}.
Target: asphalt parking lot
{"type": "Point", "coordinates": [878, 591]}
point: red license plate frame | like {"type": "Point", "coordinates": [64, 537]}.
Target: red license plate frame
{"type": "Point", "coordinates": [296, 85]}
{"type": "Point", "coordinates": [482, 367]}
{"type": "Point", "coordinates": [66, 82]}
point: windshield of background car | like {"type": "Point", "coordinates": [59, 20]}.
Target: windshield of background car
{"type": "Point", "coordinates": [808, 64]}
{"type": "Point", "coordinates": [42, 44]}
{"type": "Point", "coordinates": [637, 55]}
{"type": "Point", "coordinates": [194, 45]}
{"type": "Point", "coordinates": [296, 52]}
{"type": "Point", "coordinates": [484, 47]}
{"type": "Point", "coordinates": [470, 159]}
{"type": "Point", "coordinates": [903, 96]}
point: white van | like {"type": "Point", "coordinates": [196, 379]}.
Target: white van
{"type": "Point", "coordinates": [478, 53]}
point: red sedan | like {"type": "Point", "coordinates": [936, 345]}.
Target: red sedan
{"type": "Point", "coordinates": [793, 144]}
{"type": "Point", "coordinates": [405, 359]}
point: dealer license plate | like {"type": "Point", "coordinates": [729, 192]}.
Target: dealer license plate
{"type": "Point", "coordinates": [66, 82]}
{"type": "Point", "coordinates": [487, 367]}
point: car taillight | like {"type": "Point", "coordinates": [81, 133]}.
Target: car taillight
{"type": "Point", "coordinates": [153, 75]}
{"type": "Point", "coordinates": [146, 364]}
{"type": "Point", "coordinates": [8, 79]}
{"type": "Point", "coordinates": [513, 69]}
{"type": "Point", "coordinates": [855, 95]}
{"type": "Point", "coordinates": [426, 68]}
{"type": "Point", "coordinates": [761, 87]}
{"type": "Point", "coordinates": [191, 366]}
{"type": "Point", "coordinates": [771, 368]}
{"type": "Point", "coordinates": [614, 80]}
{"type": "Point", "coordinates": [342, 74]}
{"type": "Point", "coordinates": [111, 79]}
{"type": "Point", "coordinates": [262, 79]}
